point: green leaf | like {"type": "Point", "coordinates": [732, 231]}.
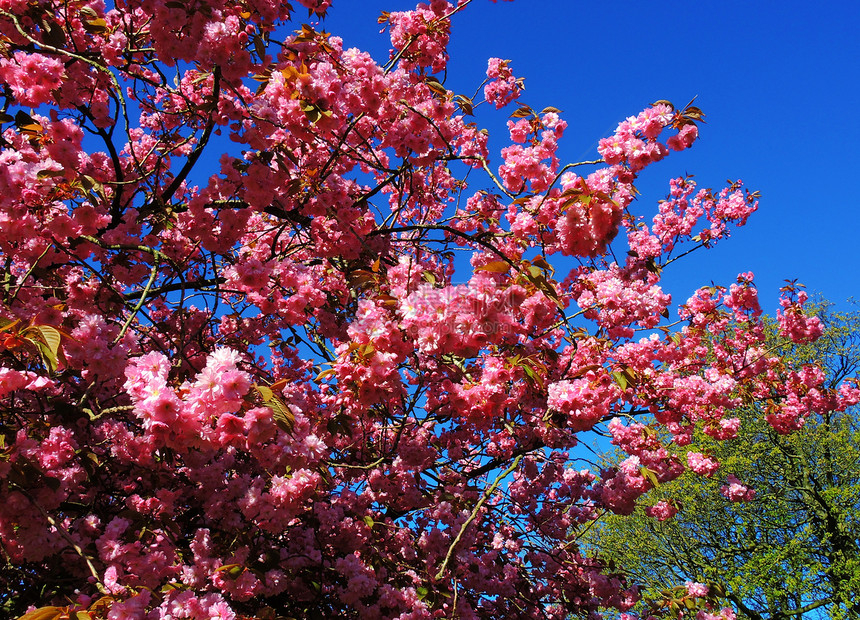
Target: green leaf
{"type": "Point", "coordinates": [465, 104]}
{"type": "Point", "coordinates": [234, 571]}
{"type": "Point", "coordinates": [51, 336]}
{"type": "Point", "coordinates": [7, 324]}
{"type": "Point", "coordinates": [530, 373]}
{"type": "Point", "coordinates": [540, 261]}
{"type": "Point", "coordinates": [434, 85]}
{"type": "Point", "coordinates": [259, 46]}
{"type": "Point", "coordinates": [54, 34]}
{"type": "Point", "coordinates": [49, 357]}
{"type": "Point", "coordinates": [24, 120]}
{"type": "Point", "coordinates": [265, 392]}
{"type": "Point", "coordinates": [650, 475]}
{"type": "Point", "coordinates": [281, 414]}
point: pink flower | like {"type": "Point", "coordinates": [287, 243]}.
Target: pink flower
{"type": "Point", "coordinates": [134, 607]}
{"type": "Point", "coordinates": [662, 510]}
{"type": "Point", "coordinates": [696, 589]}
{"type": "Point", "coordinates": [217, 608]}
{"type": "Point", "coordinates": [794, 323]}
{"type": "Point", "coordinates": [32, 77]}
{"type": "Point", "coordinates": [234, 384]}
{"type": "Point", "coordinates": [684, 139]}
{"type": "Point", "coordinates": [503, 87]}
{"type": "Point", "coordinates": [701, 464]}
{"type": "Point", "coordinates": [735, 491]}
{"type": "Point", "coordinates": [223, 359]}
{"type": "Point", "coordinates": [111, 580]}
{"type": "Point", "coordinates": [317, 6]}
{"type": "Point", "coordinates": [725, 613]}
{"type": "Point", "coordinates": [584, 401]}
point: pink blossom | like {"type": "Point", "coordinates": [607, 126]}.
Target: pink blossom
{"type": "Point", "coordinates": [725, 613]}
{"type": "Point", "coordinates": [503, 87]}
{"type": "Point", "coordinates": [736, 491]}
{"type": "Point", "coordinates": [696, 589]}
{"type": "Point", "coordinates": [317, 6]}
{"type": "Point", "coordinates": [795, 324]}
{"type": "Point", "coordinates": [585, 401]}
{"type": "Point", "coordinates": [133, 607]}
{"type": "Point", "coordinates": [32, 77]}
{"type": "Point", "coordinates": [701, 464]}
{"type": "Point", "coordinates": [427, 34]}
{"type": "Point", "coordinates": [662, 510]}
{"type": "Point", "coordinates": [684, 138]}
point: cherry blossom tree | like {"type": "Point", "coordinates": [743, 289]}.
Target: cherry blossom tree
{"type": "Point", "coordinates": [280, 337]}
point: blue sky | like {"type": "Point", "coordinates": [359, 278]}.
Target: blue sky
{"type": "Point", "coordinates": [779, 83]}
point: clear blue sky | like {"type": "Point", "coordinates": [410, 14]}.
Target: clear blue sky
{"type": "Point", "coordinates": [778, 81]}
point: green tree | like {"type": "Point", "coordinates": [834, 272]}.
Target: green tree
{"type": "Point", "coordinates": [791, 552]}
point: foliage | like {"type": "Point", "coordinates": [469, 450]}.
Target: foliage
{"type": "Point", "coordinates": [793, 549]}
{"type": "Point", "coordinates": [239, 375]}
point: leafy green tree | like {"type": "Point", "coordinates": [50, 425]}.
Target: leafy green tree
{"type": "Point", "coordinates": [792, 551]}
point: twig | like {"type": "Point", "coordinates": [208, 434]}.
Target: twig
{"type": "Point", "coordinates": [66, 536]}
{"type": "Point", "coordinates": [489, 491]}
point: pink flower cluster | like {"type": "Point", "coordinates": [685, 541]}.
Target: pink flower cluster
{"type": "Point", "coordinates": [461, 319]}
{"type": "Point", "coordinates": [695, 589]}
{"type": "Point", "coordinates": [726, 613]}
{"type": "Point", "coordinates": [736, 491]}
{"type": "Point", "coordinates": [535, 164]}
{"type": "Point", "coordinates": [32, 77]}
{"type": "Point", "coordinates": [583, 401]}
{"type": "Point", "coordinates": [257, 385]}
{"type": "Point", "coordinates": [420, 37]}
{"type": "Point", "coordinates": [590, 218]}
{"type": "Point", "coordinates": [701, 464]}
{"type": "Point", "coordinates": [616, 302]}
{"type": "Point", "coordinates": [14, 380]}
{"type": "Point", "coordinates": [183, 418]}
{"type": "Point", "coordinates": [317, 6]}
{"type": "Point", "coordinates": [680, 214]}
{"type": "Point", "coordinates": [634, 142]}
{"type": "Point", "coordinates": [620, 487]}
{"type": "Point", "coordinates": [662, 510]}
{"type": "Point", "coordinates": [503, 87]}
{"type": "Point", "coordinates": [794, 322]}
{"type": "Point", "coordinates": [577, 219]}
